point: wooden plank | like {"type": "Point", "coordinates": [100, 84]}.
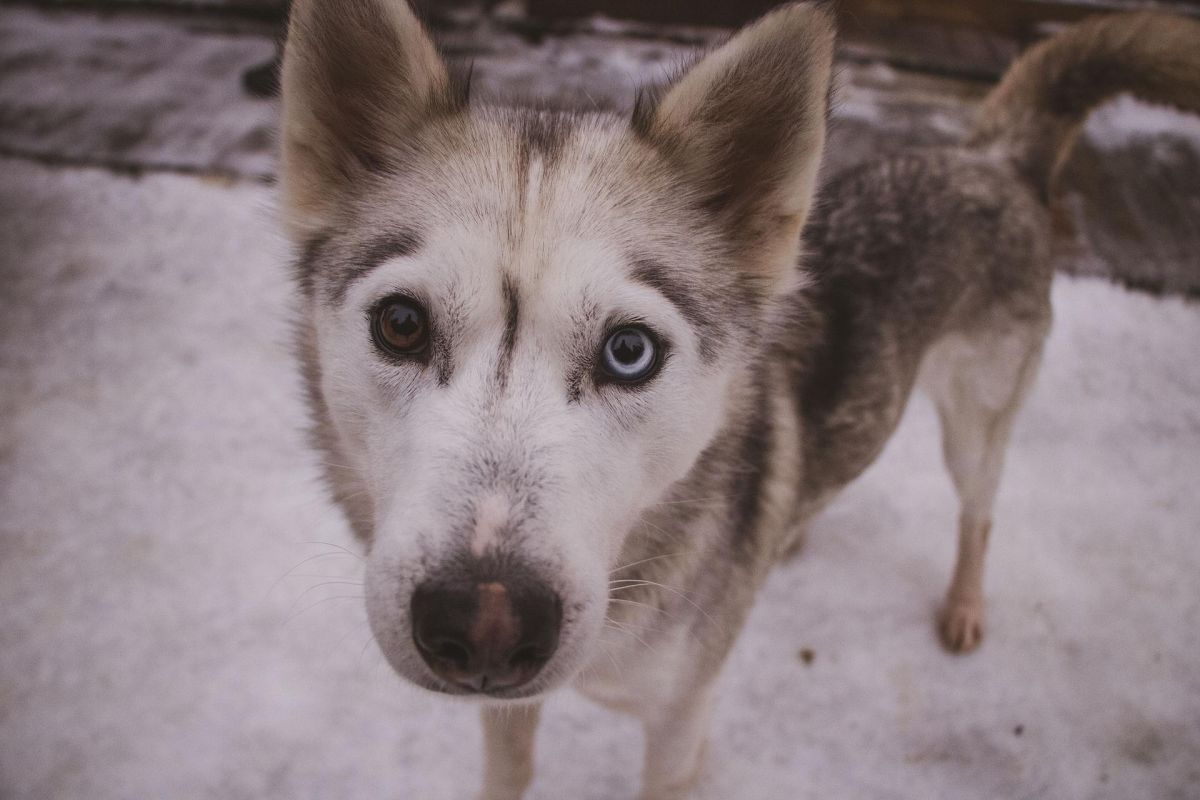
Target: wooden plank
{"type": "Point", "coordinates": [1010, 18]}
{"type": "Point", "coordinates": [973, 38]}
{"type": "Point", "coordinates": [720, 13]}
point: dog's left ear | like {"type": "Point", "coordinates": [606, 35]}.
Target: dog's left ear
{"type": "Point", "coordinates": [747, 126]}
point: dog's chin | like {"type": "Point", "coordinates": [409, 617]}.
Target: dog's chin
{"type": "Point", "coordinates": [550, 679]}
{"type": "Point", "coordinates": [490, 697]}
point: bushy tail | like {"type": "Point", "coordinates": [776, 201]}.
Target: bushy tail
{"type": "Point", "coordinates": [1041, 103]}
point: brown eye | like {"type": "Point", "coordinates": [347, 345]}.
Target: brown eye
{"type": "Point", "coordinates": [400, 327]}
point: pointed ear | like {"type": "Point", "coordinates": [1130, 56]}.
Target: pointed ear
{"type": "Point", "coordinates": [359, 76]}
{"type": "Point", "coordinates": [747, 125]}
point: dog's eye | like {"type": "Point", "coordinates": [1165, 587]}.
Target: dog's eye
{"type": "Point", "coordinates": [629, 355]}
{"type": "Point", "coordinates": [399, 326]}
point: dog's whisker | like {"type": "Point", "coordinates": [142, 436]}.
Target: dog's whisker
{"type": "Point", "coordinates": [655, 609]}
{"type": "Point", "coordinates": [637, 603]}
{"type": "Point", "coordinates": [316, 586]}
{"type": "Point", "coordinates": [312, 575]}
{"type": "Point", "coordinates": [612, 658]}
{"type": "Point", "coordinates": [592, 668]}
{"type": "Point", "coordinates": [666, 534]}
{"type": "Point", "coordinates": [645, 561]}
{"type": "Point", "coordinates": [337, 465]}
{"type": "Point", "coordinates": [628, 631]}
{"type": "Point", "coordinates": [345, 550]}
{"type": "Point", "coordinates": [628, 584]}
{"type": "Point", "coordinates": [343, 497]}
{"type": "Point", "coordinates": [308, 608]}
{"type": "Point", "coordinates": [672, 590]}
{"type": "Point", "coordinates": [370, 638]}
{"type": "Point", "coordinates": [341, 641]}
{"type": "Point", "coordinates": [290, 572]}
{"type": "Point", "coordinates": [710, 499]}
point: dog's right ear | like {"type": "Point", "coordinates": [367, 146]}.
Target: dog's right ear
{"type": "Point", "coordinates": [359, 76]}
{"type": "Point", "coordinates": [746, 124]}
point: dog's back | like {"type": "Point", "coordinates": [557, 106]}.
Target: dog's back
{"type": "Point", "coordinates": [908, 248]}
{"type": "Point", "coordinates": [935, 265]}
{"type": "Point", "coordinates": [904, 251]}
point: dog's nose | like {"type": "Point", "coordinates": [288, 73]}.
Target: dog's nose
{"type": "Point", "coordinates": [486, 636]}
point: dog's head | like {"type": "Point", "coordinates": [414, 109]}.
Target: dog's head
{"type": "Point", "coordinates": [523, 327]}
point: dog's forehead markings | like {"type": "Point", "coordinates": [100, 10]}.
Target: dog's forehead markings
{"type": "Point", "coordinates": [309, 259]}
{"type": "Point", "coordinates": [365, 258]}
{"type": "Point", "coordinates": [511, 320]}
{"type": "Point", "coordinates": [532, 189]}
{"type": "Point", "coordinates": [542, 203]}
{"type": "Point", "coordinates": [538, 154]}
{"type": "Point", "coordinates": [687, 295]}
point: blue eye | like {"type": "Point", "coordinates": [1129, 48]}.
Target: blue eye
{"type": "Point", "coordinates": [629, 355]}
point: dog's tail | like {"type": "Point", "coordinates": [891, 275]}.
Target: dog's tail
{"type": "Point", "coordinates": [1041, 103]}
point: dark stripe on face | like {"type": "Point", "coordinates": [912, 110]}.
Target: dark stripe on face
{"type": "Point", "coordinates": [512, 317]}
{"type": "Point", "coordinates": [306, 264]}
{"type": "Point", "coordinates": [582, 348]}
{"type": "Point", "coordinates": [752, 466]}
{"type": "Point", "coordinates": [364, 260]}
{"type": "Point", "coordinates": [544, 134]}
{"type": "Point", "coordinates": [685, 300]}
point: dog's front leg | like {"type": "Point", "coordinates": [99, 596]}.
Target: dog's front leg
{"type": "Point", "coordinates": [508, 734]}
{"type": "Point", "coordinates": [675, 744]}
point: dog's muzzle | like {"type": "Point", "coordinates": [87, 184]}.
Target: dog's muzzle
{"type": "Point", "coordinates": [486, 636]}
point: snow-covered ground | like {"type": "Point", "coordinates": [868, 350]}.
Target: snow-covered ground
{"type": "Point", "coordinates": [180, 617]}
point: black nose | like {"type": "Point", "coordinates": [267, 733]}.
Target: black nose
{"type": "Point", "coordinates": [486, 636]}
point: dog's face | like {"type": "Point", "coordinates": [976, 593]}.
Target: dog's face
{"type": "Point", "coordinates": [524, 327]}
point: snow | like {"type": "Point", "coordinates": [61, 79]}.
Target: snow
{"type": "Point", "coordinates": [163, 631]}
{"type": "Point", "coordinates": [1127, 119]}
{"type": "Point", "coordinates": [1132, 188]}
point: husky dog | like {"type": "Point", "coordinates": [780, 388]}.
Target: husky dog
{"type": "Point", "coordinates": [582, 380]}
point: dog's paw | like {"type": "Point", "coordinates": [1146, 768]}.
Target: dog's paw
{"type": "Point", "coordinates": [961, 624]}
